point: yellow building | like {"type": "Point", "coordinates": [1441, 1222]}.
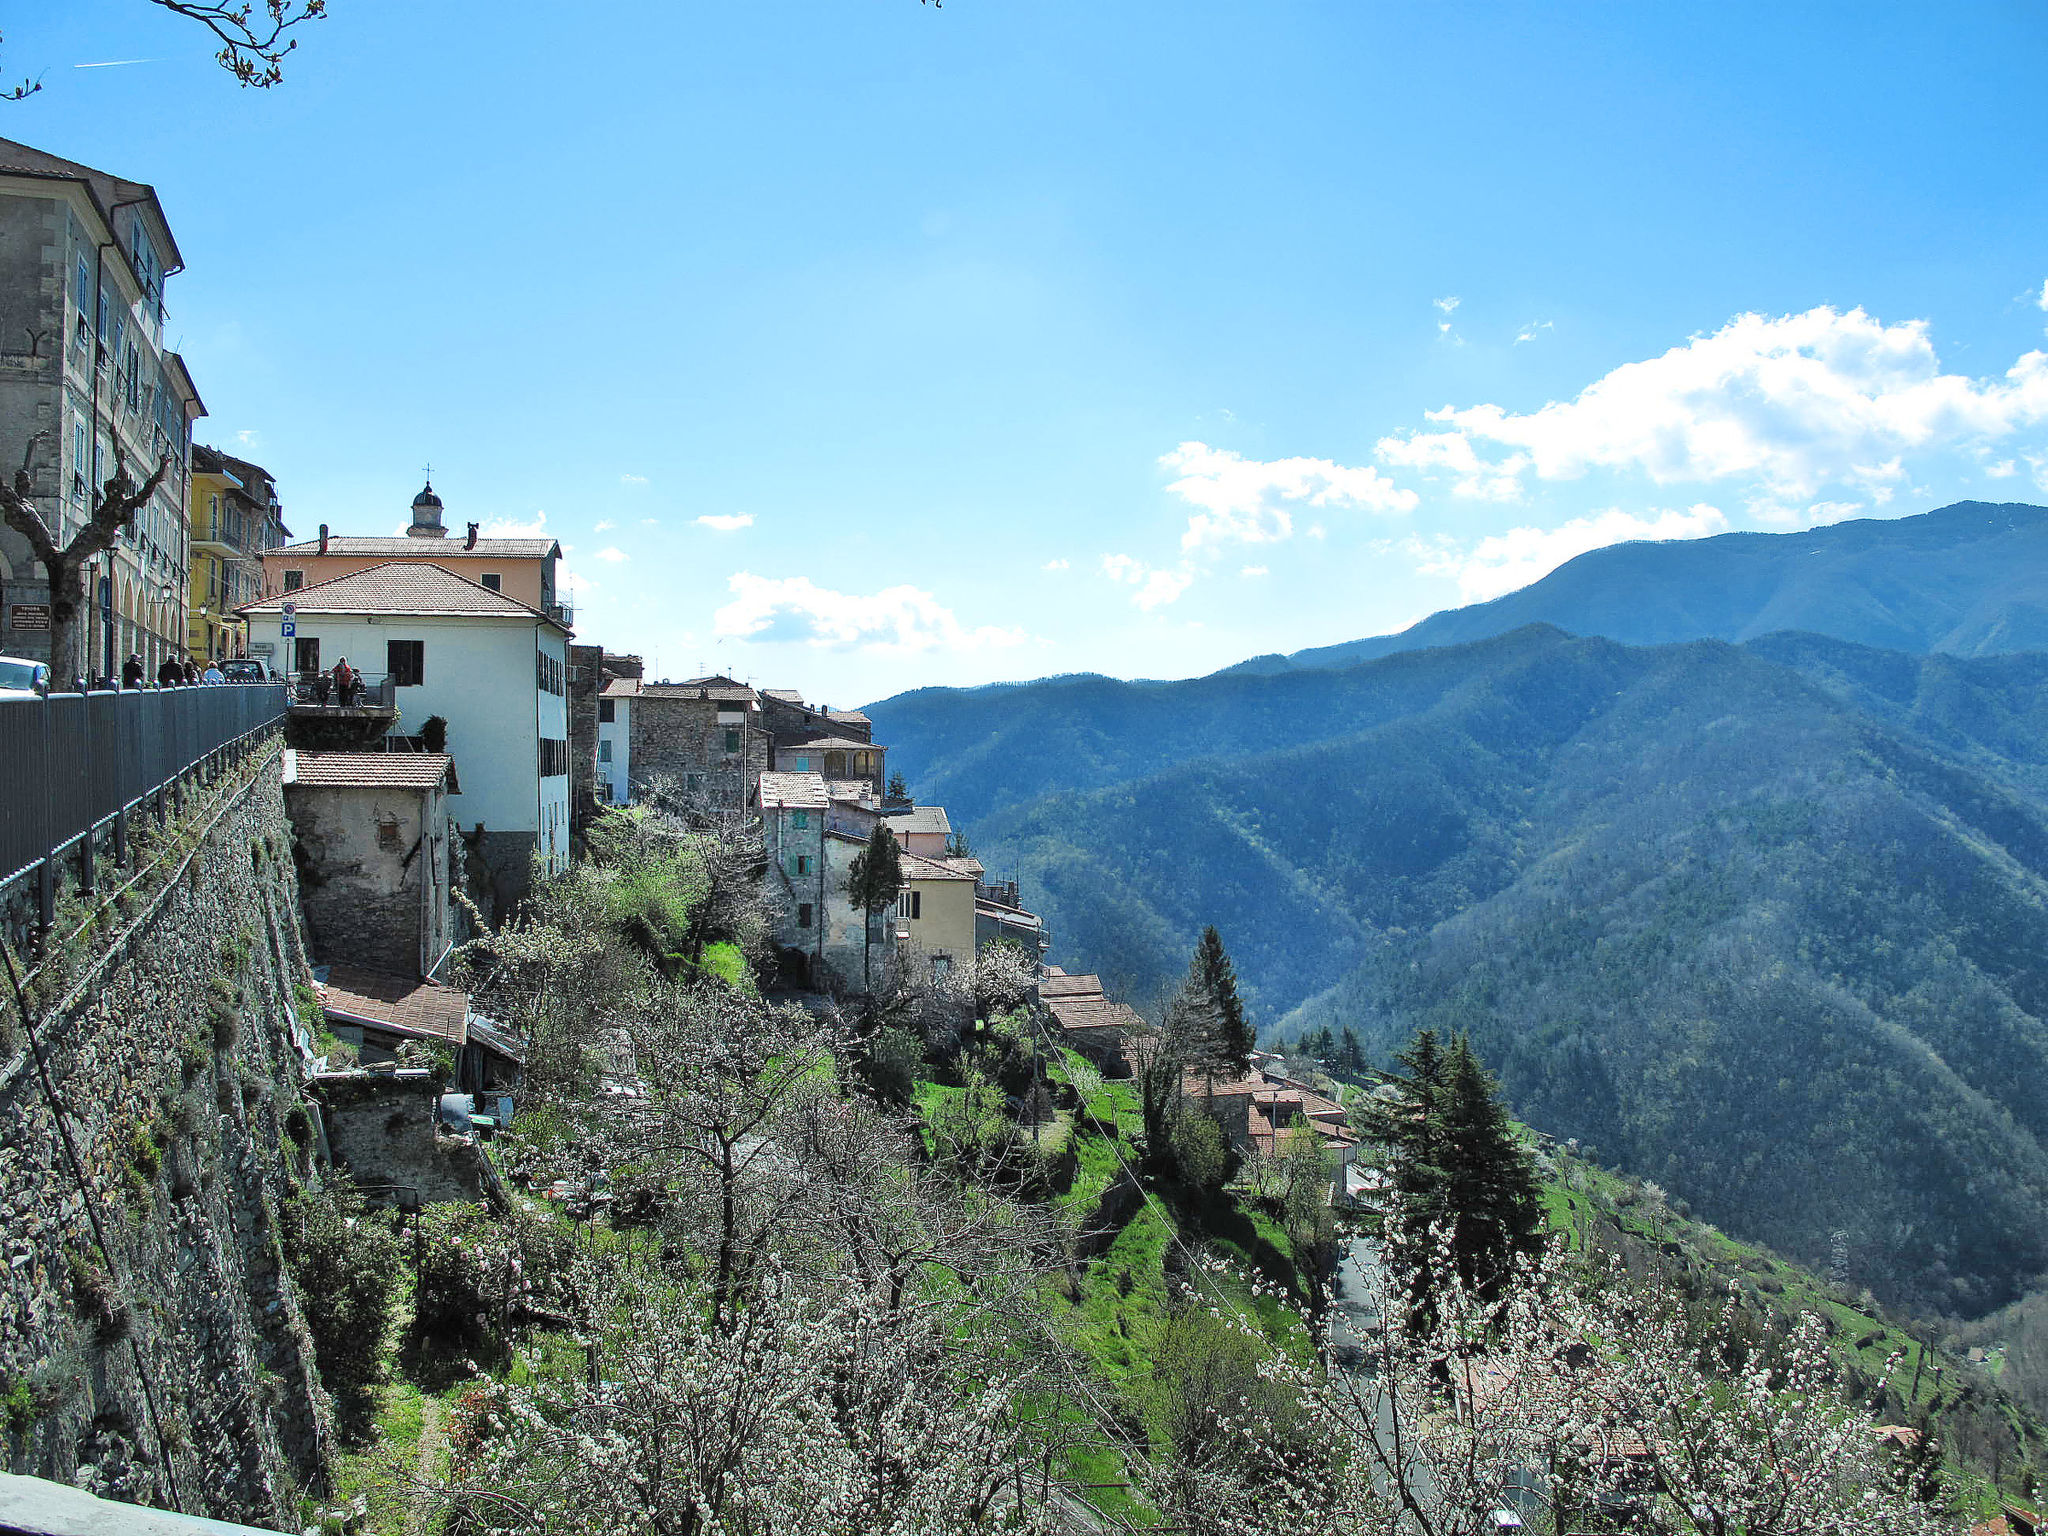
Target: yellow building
{"type": "Point", "coordinates": [935, 913]}
{"type": "Point", "coordinates": [235, 518]}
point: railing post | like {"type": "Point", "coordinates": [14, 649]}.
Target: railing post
{"type": "Point", "coordinates": [46, 893]}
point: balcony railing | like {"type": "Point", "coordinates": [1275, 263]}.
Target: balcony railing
{"type": "Point", "coordinates": [563, 614]}
{"type": "Point", "coordinates": [317, 690]}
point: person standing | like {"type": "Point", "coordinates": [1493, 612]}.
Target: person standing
{"type": "Point", "coordinates": [213, 674]}
{"type": "Point", "coordinates": [132, 672]}
{"type": "Point", "coordinates": [171, 673]}
{"type": "Point", "coordinates": [191, 673]}
{"type": "Point", "coordinates": [344, 683]}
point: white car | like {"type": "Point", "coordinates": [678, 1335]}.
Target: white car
{"type": "Point", "coordinates": [21, 678]}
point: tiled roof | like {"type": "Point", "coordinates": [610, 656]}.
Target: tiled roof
{"type": "Point", "coordinates": [427, 549]}
{"type": "Point", "coordinates": [356, 996]}
{"type": "Point", "coordinates": [1094, 1013]}
{"type": "Point", "coordinates": [786, 695]}
{"type": "Point", "coordinates": [917, 868]}
{"type": "Point", "coordinates": [967, 864]}
{"type": "Point", "coordinates": [852, 792]}
{"type": "Point", "coordinates": [108, 191]}
{"type": "Point", "coordinates": [920, 818]}
{"type": "Point", "coordinates": [825, 744]}
{"type": "Point", "coordinates": [392, 770]}
{"type": "Point", "coordinates": [722, 689]}
{"type": "Point", "coordinates": [621, 688]}
{"type": "Point", "coordinates": [848, 717]}
{"type": "Point", "coordinates": [794, 791]}
{"type": "Point", "coordinates": [1062, 985]}
{"type": "Point", "coordinates": [397, 587]}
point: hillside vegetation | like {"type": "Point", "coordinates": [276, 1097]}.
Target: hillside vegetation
{"type": "Point", "coordinates": [1762, 923]}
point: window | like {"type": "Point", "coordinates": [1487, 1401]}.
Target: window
{"type": "Point", "coordinates": [910, 904]}
{"type": "Point", "coordinates": [293, 580]}
{"type": "Point", "coordinates": [84, 288]}
{"type": "Point", "coordinates": [406, 661]}
{"type": "Point", "coordinates": [490, 581]}
{"type": "Point", "coordinates": [604, 751]}
{"type": "Point", "coordinates": [606, 710]}
{"type": "Point", "coordinates": [803, 864]}
{"type": "Point", "coordinates": [554, 758]}
{"type": "Point", "coordinates": [803, 914]}
{"type": "Point", "coordinates": [306, 654]}
{"type": "Point", "coordinates": [800, 819]}
{"type": "Point", "coordinates": [801, 764]}
{"type": "Point", "coordinates": [732, 741]}
{"type": "Point", "coordinates": [81, 460]}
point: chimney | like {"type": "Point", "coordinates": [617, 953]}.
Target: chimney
{"type": "Point", "coordinates": [470, 542]}
{"type": "Point", "coordinates": [323, 538]}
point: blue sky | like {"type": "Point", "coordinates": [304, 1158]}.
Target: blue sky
{"type": "Point", "coordinates": [854, 345]}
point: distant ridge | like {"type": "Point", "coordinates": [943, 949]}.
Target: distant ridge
{"type": "Point", "coordinates": [1968, 580]}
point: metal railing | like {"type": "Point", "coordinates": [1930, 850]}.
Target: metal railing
{"type": "Point", "coordinates": [371, 690]}
{"type": "Point", "coordinates": [76, 763]}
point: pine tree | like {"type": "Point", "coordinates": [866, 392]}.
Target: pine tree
{"type": "Point", "coordinates": [1351, 1054]}
{"type": "Point", "coordinates": [1235, 1038]}
{"type": "Point", "coordinates": [1490, 1190]}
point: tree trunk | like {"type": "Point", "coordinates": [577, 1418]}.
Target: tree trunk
{"type": "Point", "coordinates": [69, 605]}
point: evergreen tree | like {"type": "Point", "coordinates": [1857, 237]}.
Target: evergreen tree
{"type": "Point", "coordinates": [873, 883]}
{"type": "Point", "coordinates": [898, 790]}
{"type": "Point", "coordinates": [1490, 1188]}
{"type": "Point", "coordinates": [1457, 1176]}
{"type": "Point", "coordinates": [1235, 1038]}
{"type": "Point", "coordinates": [1351, 1054]}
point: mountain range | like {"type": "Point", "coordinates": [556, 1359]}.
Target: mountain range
{"type": "Point", "coordinates": [1764, 921]}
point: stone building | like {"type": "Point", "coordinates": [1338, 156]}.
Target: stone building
{"type": "Point", "coordinates": [703, 736]}
{"type": "Point", "coordinates": [822, 935]}
{"type": "Point", "coordinates": [83, 260]}
{"type": "Point", "coordinates": [376, 857]}
{"type": "Point", "coordinates": [935, 914]}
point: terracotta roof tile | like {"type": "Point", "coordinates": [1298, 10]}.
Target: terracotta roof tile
{"type": "Point", "coordinates": [1063, 985]}
{"type": "Point", "coordinates": [1094, 1013]}
{"type": "Point", "coordinates": [917, 867]}
{"type": "Point", "coordinates": [395, 770]}
{"type": "Point", "coordinates": [826, 744]}
{"type": "Point", "coordinates": [398, 587]}
{"type": "Point", "coordinates": [793, 791]}
{"type": "Point", "coordinates": [922, 818]}
{"type": "Point", "coordinates": [356, 996]}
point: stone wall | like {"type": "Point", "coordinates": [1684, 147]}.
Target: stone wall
{"type": "Point", "coordinates": [682, 739]}
{"type": "Point", "coordinates": [384, 1130]}
{"type": "Point", "coordinates": [373, 874]}
{"type": "Point", "coordinates": [168, 1364]}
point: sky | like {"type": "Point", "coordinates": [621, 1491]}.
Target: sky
{"type": "Point", "coordinates": [859, 345]}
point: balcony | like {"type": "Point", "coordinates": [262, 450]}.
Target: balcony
{"type": "Point", "coordinates": [372, 692]}
{"type": "Point", "coordinates": [563, 614]}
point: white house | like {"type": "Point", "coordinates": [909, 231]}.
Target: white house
{"type": "Point", "coordinates": [615, 745]}
{"type": "Point", "coordinates": [493, 668]}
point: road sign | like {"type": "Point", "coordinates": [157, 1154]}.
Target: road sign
{"type": "Point", "coordinates": [291, 610]}
{"type": "Point", "coordinates": [290, 629]}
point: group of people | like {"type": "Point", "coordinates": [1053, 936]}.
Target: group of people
{"type": "Point", "coordinates": [173, 673]}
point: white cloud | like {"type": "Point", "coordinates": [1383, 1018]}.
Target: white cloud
{"type": "Point", "coordinates": [248, 438]}
{"type": "Point", "coordinates": [1785, 405]}
{"type": "Point", "coordinates": [1447, 307]}
{"type": "Point", "coordinates": [1154, 588]}
{"type": "Point", "coordinates": [727, 522]}
{"type": "Point", "coordinates": [535, 527]}
{"type": "Point", "coordinates": [2042, 298]}
{"type": "Point", "coordinates": [1254, 570]}
{"type": "Point", "coordinates": [2004, 469]}
{"type": "Point", "coordinates": [899, 619]}
{"type": "Point", "coordinates": [603, 527]}
{"type": "Point", "coordinates": [1530, 331]}
{"type": "Point", "coordinates": [1054, 565]}
{"type": "Point", "coordinates": [578, 584]}
{"type": "Point", "coordinates": [1240, 499]}
{"type": "Point", "coordinates": [611, 555]}
{"type": "Point", "coordinates": [632, 479]}
{"type": "Point", "coordinates": [1504, 561]}
{"type": "Point", "coordinates": [650, 522]}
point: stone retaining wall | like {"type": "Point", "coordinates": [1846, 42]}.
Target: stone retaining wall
{"type": "Point", "coordinates": [174, 1057]}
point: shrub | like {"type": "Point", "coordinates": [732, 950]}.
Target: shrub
{"type": "Point", "coordinates": [891, 1063]}
{"type": "Point", "coordinates": [346, 1263]}
{"type": "Point", "coordinates": [484, 1278]}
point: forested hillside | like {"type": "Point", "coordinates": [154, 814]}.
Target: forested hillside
{"type": "Point", "coordinates": [1762, 923]}
{"type": "Point", "coordinates": [1969, 579]}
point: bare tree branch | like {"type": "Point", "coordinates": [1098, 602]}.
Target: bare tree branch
{"type": "Point", "coordinates": [252, 48]}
